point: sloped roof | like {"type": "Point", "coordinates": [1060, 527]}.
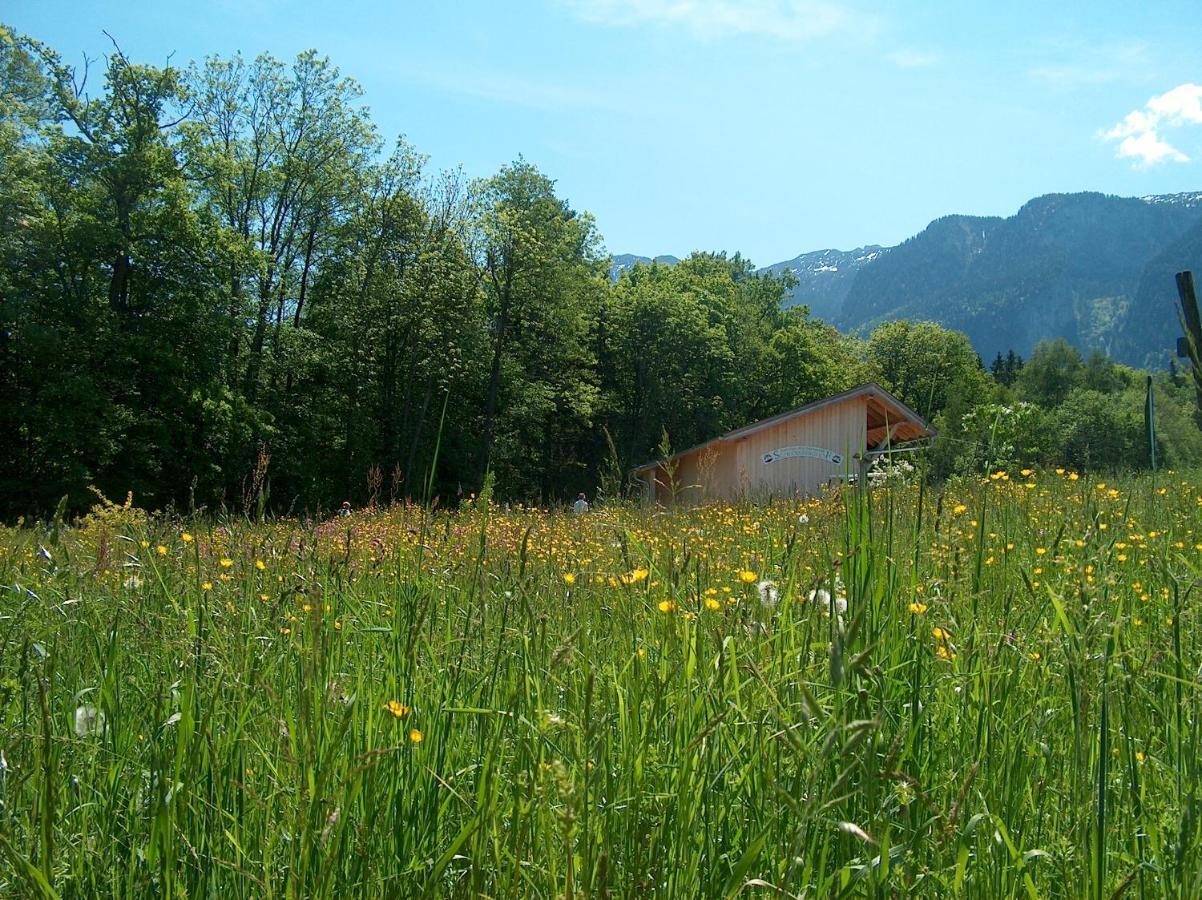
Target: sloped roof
{"type": "Point", "coordinates": [912, 425]}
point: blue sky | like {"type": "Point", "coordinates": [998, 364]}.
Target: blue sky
{"type": "Point", "coordinates": [771, 127]}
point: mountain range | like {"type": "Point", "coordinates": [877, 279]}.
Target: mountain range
{"type": "Point", "coordinates": [1094, 269]}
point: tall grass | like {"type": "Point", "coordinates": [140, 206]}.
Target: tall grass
{"type": "Point", "coordinates": [518, 703]}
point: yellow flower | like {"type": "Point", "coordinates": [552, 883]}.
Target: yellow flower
{"type": "Point", "coordinates": [940, 634]}
{"type": "Point", "coordinates": [415, 736]}
{"type": "Point", "coordinates": [666, 606]}
{"type": "Point", "coordinates": [260, 565]}
{"type": "Point", "coordinates": [161, 550]}
{"type": "Point", "coordinates": [959, 509]}
{"type": "Point", "coordinates": [207, 586]}
{"type": "Point", "coordinates": [1040, 551]}
{"type": "Point", "coordinates": [748, 577]}
{"type": "Point", "coordinates": [186, 538]}
{"type": "Point", "coordinates": [1027, 473]}
{"type": "Point", "coordinates": [569, 578]}
{"type": "Point", "coordinates": [226, 562]}
{"type": "Point", "coordinates": [639, 575]}
{"type": "Point", "coordinates": [1073, 476]}
{"type": "Point", "coordinates": [918, 608]}
{"type": "Point", "coordinates": [398, 710]}
{"type": "Point", "coordinates": [712, 604]}
{"type": "Point", "coordinates": [1139, 756]}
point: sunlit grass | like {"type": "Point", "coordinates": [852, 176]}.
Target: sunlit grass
{"type": "Point", "coordinates": [988, 689]}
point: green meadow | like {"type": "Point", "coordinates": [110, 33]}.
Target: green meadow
{"type": "Point", "coordinates": [986, 689]}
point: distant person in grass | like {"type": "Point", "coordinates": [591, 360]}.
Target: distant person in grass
{"type": "Point", "coordinates": [581, 504]}
{"type": "Point", "coordinates": [345, 510]}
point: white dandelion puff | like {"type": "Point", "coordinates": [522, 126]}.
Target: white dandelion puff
{"type": "Point", "coordinates": [768, 593]}
{"type": "Point", "coordinates": [822, 597]}
{"type": "Point", "coordinates": [88, 720]}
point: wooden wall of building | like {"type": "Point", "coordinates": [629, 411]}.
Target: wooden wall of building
{"type": "Point", "coordinates": [841, 428]}
{"type": "Point", "coordinates": [734, 469]}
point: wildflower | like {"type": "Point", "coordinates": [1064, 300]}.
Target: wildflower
{"type": "Point", "coordinates": [1040, 551]}
{"type": "Point", "coordinates": [768, 593]}
{"type": "Point", "coordinates": [162, 551]}
{"type": "Point", "coordinates": [713, 605]}
{"type": "Point", "coordinates": [639, 575]}
{"type": "Point", "coordinates": [666, 606]}
{"type": "Point", "coordinates": [226, 562]}
{"type": "Point", "coordinates": [918, 608]}
{"type": "Point", "coordinates": [415, 736]}
{"type": "Point", "coordinates": [186, 538]}
{"type": "Point", "coordinates": [88, 720]}
{"type": "Point", "coordinates": [207, 586]}
{"type": "Point", "coordinates": [260, 565]}
{"type": "Point", "coordinates": [959, 509]}
{"type": "Point", "coordinates": [398, 710]}
{"type": "Point", "coordinates": [1139, 756]}
{"type": "Point", "coordinates": [569, 578]}
{"type": "Point", "coordinates": [944, 653]}
{"type": "Point", "coordinates": [748, 577]}
{"type": "Point", "coordinates": [941, 634]}
{"type": "Point", "coordinates": [803, 519]}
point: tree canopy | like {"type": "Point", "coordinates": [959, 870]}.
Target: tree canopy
{"type": "Point", "coordinates": [221, 285]}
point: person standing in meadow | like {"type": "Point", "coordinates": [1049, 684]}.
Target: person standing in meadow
{"type": "Point", "coordinates": [581, 504]}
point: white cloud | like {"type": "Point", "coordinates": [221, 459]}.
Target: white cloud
{"type": "Point", "coordinates": [912, 59]}
{"type": "Point", "coordinates": [1139, 134]}
{"type": "Point", "coordinates": [789, 20]}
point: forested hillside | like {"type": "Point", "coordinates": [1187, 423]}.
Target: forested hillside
{"type": "Point", "coordinates": [220, 284]}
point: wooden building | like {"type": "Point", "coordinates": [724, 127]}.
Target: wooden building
{"type": "Point", "coordinates": [797, 453]}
